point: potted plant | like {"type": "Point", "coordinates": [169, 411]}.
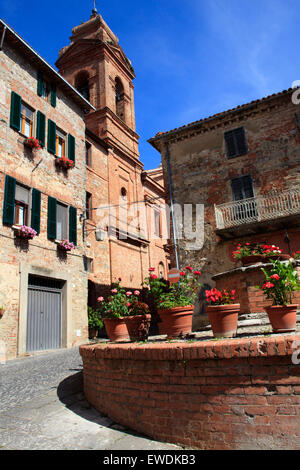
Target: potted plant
{"type": "Point", "coordinates": [32, 143]}
{"type": "Point", "coordinates": [64, 162]}
{"type": "Point", "coordinates": [95, 322]}
{"type": "Point", "coordinates": [296, 255]}
{"type": "Point", "coordinates": [65, 245]}
{"type": "Point", "coordinates": [223, 312]}
{"type": "Point", "coordinates": [253, 253]}
{"type": "Point", "coordinates": [281, 281]}
{"type": "Point", "coordinates": [114, 311]}
{"type": "Point", "coordinates": [139, 319]}
{"type": "Point", "coordinates": [24, 232]}
{"type": "Point", "coordinates": [175, 303]}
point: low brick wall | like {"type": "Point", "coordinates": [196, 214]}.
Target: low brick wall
{"type": "Point", "coordinates": [229, 394]}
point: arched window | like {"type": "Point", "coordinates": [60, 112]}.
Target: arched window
{"type": "Point", "coordinates": [82, 84]}
{"type": "Point", "coordinates": [120, 102]}
{"type": "Point", "coordinates": [161, 270]}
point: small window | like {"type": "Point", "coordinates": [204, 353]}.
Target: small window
{"type": "Point", "coordinates": [161, 270]}
{"type": "Point", "coordinates": [157, 225]}
{"type": "Point", "coordinates": [124, 193]}
{"type": "Point", "coordinates": [62, 222]}
{"type": "Point", "coordinates": [88, 206]}
{"type": "Point", "coordinates": [60, 143]}
{"type": "Point", "coordinates": [242, 188]}
{"type": "Point", "coordinates": [88, 154]}
{"type": "Point", "coordinates": [46, 91]}
{"type": "Point", "coordinates": [21, 205]}
{"type": "Point", "coordinates": [88, 264]}
{"type": "Point", "coordinates": [26, 120]}
{"type": "Point", "coordinates": [236, 143]}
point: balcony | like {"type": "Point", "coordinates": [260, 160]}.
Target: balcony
{"type": "Point", "coordinates": [258, 214]}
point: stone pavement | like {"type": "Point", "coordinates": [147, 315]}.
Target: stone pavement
{"type": "Point", "coordinates": [42, 407]}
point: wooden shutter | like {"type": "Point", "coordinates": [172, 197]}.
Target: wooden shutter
{"type": "Point", "coordinates": [237, 189]}
{"type": "Point", "coordinates": [51, 226]}
{"type": "Point", "coordinates": [73, 225]}
{"type": "Point", "coordinates": [242, 188]}
{"type": "Point", "coordinates": [36, 210]}
{"type": "Point", "coordinates": [248, 187]}
{"type": "Point", "coordinates": [40, 84]}
{"type": "Point", "coordinates": [71, 148]}
{"type": "Point", "coordinates": [236, 143]}
{"type": "Point", "coordinates": [15, 111]}
{"type": "Point", "coordinates": [9, 200]}
{"type": "Point", "coordinates": [51, 137]}
{"type": "Point", "coordinates": [41, 128]}
{"type": "Point", "coordinates": [53, 95]}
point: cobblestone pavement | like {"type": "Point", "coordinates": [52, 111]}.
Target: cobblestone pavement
{"type": "Point", "coordinates": [42, 407]}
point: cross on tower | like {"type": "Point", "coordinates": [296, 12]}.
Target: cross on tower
{"type": "Point", "coordinates": [95, 7]}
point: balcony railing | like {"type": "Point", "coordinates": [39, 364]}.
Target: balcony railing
{"type": "Point", "coordinates": [258, 209]}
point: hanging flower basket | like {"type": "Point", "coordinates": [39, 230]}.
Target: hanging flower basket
{"type": "Point", "coordinates": [65, 245]}
{"type": "Point", "coordinates": [22, 231]}
{"type": "Point", "coordinates": [32, 143]}
{"type": "Point", "coordinates": [64, 162]}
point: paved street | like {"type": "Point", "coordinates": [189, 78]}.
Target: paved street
{"type": "Point", "coordinates": [42, 407]}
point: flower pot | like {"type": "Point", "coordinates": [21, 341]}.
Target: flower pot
{"type": "Point", "coordinates": [283, 318]}
{"type": "Point", "coordinates": [223, 319]}
{"type": "Point", "coordinates": [93, 333]}
{"type": "Point", "coordinates": [176, 321]}
{"type": "Point", "coordinates": [138, 327]}
{"type": "Point", "coordinates": [253, 259]}
{"type": "Point", "coordinates": [280, 256]}
{"type": "Point", "coordinates": [116, 329]}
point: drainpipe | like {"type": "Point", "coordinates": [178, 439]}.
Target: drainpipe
{"type": "Point", "coordinates": [2, 38]}
{"type": "Point", "coordinates": [171, 202]}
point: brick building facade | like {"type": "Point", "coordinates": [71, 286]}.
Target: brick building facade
{"type": "Point", "coordinates": [86, 113]}
{"type": "Point", "coordinates": [243, 166]}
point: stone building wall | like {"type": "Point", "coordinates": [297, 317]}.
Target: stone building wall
{"type": "Point", "coordinates": [37, 169]}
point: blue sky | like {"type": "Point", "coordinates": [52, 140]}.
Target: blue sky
{"type": "Point", "coordinates": [192, 58]}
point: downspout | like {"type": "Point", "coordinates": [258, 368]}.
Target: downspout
{"type": "Point", "coordinates": [171, 202]}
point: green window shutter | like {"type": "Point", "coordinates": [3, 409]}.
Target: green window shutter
{"type": "Point", "coordinates": [51, 136]}
{"type": "Point", "coordinates": [41, 128]}
{"type": "Point", "coordinates": [36, 210]}
{"type": "Point", "coordinates": [53, 95]}
{"type": "Point", "coordinates": [9, 200]}
{"type": "Point", "coordinates": [15, 111]}
{"type": "Point", "coordinates": [73, 225]}
{"type": "Point", "coordinates": [40, 84]}
{"type": "Point", "coordinates": [71, 148]}
{"type": "Point", "coordinates": [51, 226]}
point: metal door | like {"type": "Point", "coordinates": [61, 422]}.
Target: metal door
{"type": "Point", "coordinates": [43, 315]}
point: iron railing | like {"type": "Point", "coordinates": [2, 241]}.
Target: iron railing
{"type": "Point", "coordinates": [257, 209]}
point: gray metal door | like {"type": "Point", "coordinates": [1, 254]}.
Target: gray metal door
{"type": "Point", "coordinates": [43, 315]}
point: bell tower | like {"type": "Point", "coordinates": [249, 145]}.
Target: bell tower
{"type": "Point", "coordinates": [95, 64]}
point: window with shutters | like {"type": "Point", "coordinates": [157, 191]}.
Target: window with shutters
{"type": "Point", "coordinates": [236, 143]}
{"type": "Point", "coordinates": [26, 120]}
{"type": "Point", "coordinates": [21, 205]}
{"type": "Point", "coordinates": [46, 90]}
{"type": "Point", "coordinates": [242, 188]}
{"type": "Point", "coordinates": [88, 206]}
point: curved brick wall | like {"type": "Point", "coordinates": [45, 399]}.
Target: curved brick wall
{"type": "Point", "coordinates": [231, 394]}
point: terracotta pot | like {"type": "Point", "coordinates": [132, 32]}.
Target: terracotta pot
{"type": "Point", "coordinates": [93, 333]}
{"type": "Point", "coordinates": [280, 256]}
{"type": "Point", "coordinates": [176, 321]}
{"type": "Point", "coordinates": [253, 259]}
{"type": "Point", "coordinates": [223, 319]}
{"type": "Point", "coordinates": [116, 329]}
{"type": "Point", "coordinates": [138, 327]}
{"type": "Point", "coordinates": [283, 318]}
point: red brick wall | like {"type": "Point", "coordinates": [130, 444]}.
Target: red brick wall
{"type": "Point", "coordinates": [234, 394]}
{"type": "Point", "coordinates": [251, 299]}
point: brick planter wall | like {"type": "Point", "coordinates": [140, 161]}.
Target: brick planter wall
{"type": "Point", "coordinates": [245, 280]}
{"type": "Point", "coordinates": [231, 394]}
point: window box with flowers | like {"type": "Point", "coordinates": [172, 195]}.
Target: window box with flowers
{"type": "Point", "coordinates": [24, 232]}
{"type": "Point", "coordinates": [64, 162]}
{"type": "Point", "coordinates": [113, 311]}
{"type": "Point", "coordinates": [254, 253]}
{"type": "Point", "coordinates": [175, 303]}
{"type": "Point", "coordinates": [65, 245]}
{"type": "Point", "coordinates": [281, 281]}
{"type": "Point", "coordinates": [223, 312]}
{"type": "Point", "coordinates": [32, 143]}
